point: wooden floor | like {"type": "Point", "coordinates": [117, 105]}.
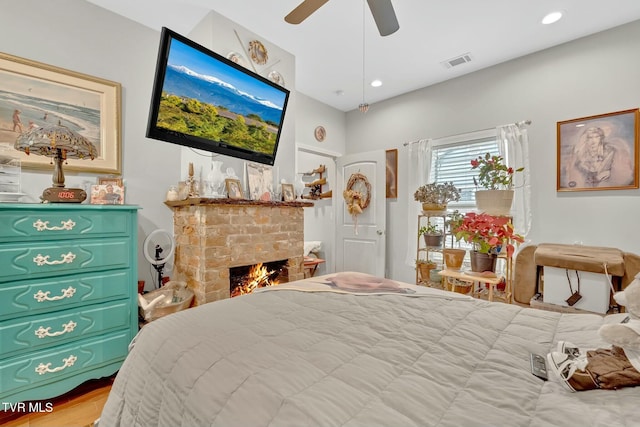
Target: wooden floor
{"type": "Point", "coordinates": [78, 408]}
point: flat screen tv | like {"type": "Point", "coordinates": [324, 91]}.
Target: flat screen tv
{"type": "Point", "coordinates": [203, 100]}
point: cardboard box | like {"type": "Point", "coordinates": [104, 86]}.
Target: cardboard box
{"type": "Point", "coordinates": [594, 288]}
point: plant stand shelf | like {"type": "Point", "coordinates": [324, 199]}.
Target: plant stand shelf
{"type": "Point", "coordinates": [488, 292]}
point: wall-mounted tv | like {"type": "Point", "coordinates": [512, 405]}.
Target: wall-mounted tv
{"type": "Point", "coordinates": [203, 100]}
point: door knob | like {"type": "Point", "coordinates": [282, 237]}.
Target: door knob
{"type": "Point", "coordinates": [380, 232]}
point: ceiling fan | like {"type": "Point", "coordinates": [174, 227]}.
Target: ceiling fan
{"type": "Point", "coordinates": [382, 11]}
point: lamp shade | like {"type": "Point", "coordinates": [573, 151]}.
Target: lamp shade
{"type": "Point", "coordinates": [52, 140]}
{"type": "Point", "coordinates": [60, 143]}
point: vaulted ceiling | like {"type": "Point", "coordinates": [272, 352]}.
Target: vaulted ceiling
{"type": "Point", "coordinates": [329, 45]}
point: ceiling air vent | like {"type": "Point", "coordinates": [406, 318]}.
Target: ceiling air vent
{"type": "Point", "coordinates": [458, 60]}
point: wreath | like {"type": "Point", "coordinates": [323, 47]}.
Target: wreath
{"type": "Point", "coordinates": [356, 201]}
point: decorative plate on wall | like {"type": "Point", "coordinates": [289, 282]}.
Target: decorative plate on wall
{"type": "Point", "coordinates": [236, 57]}
{"type": "Point", "coordinates": [258, 52]}
{"type": "Point", "coordinates": [277, 78]}
{"type": "Point", "coordinates": [320, 133]}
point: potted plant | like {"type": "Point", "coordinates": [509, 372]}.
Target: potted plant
{"type": "Point", "coordinates": [489, 236]}
{"type": "Point", "coordinates": [432, 234]}
{"type": "Point", "coordinates": [425, 267]}
{"type": "Point", "coordinates": [435, 196]}
{"type": "Point", "coordinates": [497, 179]}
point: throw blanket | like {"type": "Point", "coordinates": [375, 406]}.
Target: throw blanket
{"type": "Point", "coordinates": [291, 358]}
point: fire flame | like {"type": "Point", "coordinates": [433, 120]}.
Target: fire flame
{"type": "Point", "coordinates": [259, 277]}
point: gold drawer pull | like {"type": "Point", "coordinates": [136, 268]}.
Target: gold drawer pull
{"type": "Point", "coordinates": [41, 296]}
{"type": "Point", "coordinates": [41, 225]}
{"type": "Point", "coordinates": [43, 332]}
{"type": "Point", "coordinates": [44, 260]}
{"type": "Point", "coordinates": [43, 369]}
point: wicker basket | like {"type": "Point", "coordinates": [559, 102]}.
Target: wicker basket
{"type": "Point", "coordinates": [462, 287]}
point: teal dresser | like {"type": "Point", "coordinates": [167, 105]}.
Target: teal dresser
{"type": "Point", "coordinates": [68, 302]}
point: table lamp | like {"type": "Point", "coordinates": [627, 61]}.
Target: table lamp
{"type": "Point", "coordinates": [60, 143]}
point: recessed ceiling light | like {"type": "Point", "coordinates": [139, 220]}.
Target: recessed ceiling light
{"type": "Point", "coordinates": [552, 17]}
{"type": "Point", "coordinates": [376, 83]}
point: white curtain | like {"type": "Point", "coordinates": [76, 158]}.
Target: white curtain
{"type": "Point", "coordinates": [419, 162]}
{"type": "Point", "coordinates": [513, 144]}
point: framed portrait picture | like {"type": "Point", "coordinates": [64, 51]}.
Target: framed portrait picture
{"type": "Point", "coordinates": [35, 95]}
{"type": "Point", "coordinates": [598, 152]}
{"type": "Point", "coordinates": [107, 194]}
{"type": "Point", "coordinates": [288, 194]}
{"type": "Point", "coordinates": [234, 188]}
{"type": "Point", "coordinates": [392, 174]}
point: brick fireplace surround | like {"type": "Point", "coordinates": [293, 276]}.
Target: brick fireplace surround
{"type": "Point", "coordinates": [213, 235]}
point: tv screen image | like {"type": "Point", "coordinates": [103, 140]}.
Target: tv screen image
{"type": "Point", "coordinates": [203, 100]}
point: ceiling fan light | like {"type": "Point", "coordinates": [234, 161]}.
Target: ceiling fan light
{"type": "Point", "coordinates": [552, 17]}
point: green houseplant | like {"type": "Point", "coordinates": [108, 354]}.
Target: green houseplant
{"type": "Point", "coordinates": [497, 180]}
{"type": "Point", "coordinates": [436, 196]}
{"type": "Point", "coordinates": [432, 234]}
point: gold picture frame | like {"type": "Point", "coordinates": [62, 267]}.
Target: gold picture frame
{"type": "Point", "coordinates": [234, 188]}
{"type": "Point", "coordinates": [46, 94]}
{"type": "Point", "coordinates": [598, 152]}
{"type": "Point", "coordinates": [288, 194]}
{"type": "Point", "coordinates": [104, 180]}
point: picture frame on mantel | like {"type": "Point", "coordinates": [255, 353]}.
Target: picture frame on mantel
{"type": "Point", "coordinates": [44, 95]}
{"type": "Point", "coordinates": [234, 188]}
{"type": "Point", "coordinates": [598, 152]}
{"type": "Point", "coordinates": [288, 195]}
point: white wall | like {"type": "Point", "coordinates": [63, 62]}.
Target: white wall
{"type": "Point", "coordinates": [319, 221]}
{"type": "Point", "coordinates": [594, 75]}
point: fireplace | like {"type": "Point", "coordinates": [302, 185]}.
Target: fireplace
{"type": "Point", "coordinates": [246, 279]}
{"type": "Point", "coordinates": [214, 236]}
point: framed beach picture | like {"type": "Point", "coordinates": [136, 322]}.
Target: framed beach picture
{"type": "Point", "coordinates": [34, 95]}
{"type": "Point", "coordinates": [234, 188]}
{"type": "Point", "coordinates": [598, 152]}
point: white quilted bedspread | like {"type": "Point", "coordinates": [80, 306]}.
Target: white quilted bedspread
{"type": "Point", "coordinates": [291, 358]}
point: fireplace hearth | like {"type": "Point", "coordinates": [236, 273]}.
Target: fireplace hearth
{"type": "Point", "coordinates": [214, 236]}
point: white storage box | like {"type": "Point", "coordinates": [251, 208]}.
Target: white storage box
{"type": "Point", "coordinates": [594, 288]}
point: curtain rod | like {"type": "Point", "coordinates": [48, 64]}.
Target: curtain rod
{"type": "Point", "coordinates": [522, 123]}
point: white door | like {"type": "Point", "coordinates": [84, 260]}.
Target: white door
{"type": "Point", "coordinates": [360, 241]}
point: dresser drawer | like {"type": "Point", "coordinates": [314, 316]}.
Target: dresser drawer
{"type": "Point", "coordinates": [41, 224]}
{"type": "Point", "coordinates": [45, 367]}
{"type": "Point", "coordinates": [29, 297]}
{"type": "Point", "coordinates": [36, 332]}
{"type": "Point", "coordinates": [42, 259]}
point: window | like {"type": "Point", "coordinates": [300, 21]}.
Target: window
{"type": "Point", "coordinates": [451, 162]}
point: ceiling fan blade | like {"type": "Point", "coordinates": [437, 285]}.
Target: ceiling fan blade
{"type": "Point", "coordinates": [304, 9]}
{"type": "Point", "coordinates": [384, 15]}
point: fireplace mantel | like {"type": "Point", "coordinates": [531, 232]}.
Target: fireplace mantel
{"type": "Point", "coordinates": [213, 235]}
{"type": "Point", "coordinates": [198, 201]}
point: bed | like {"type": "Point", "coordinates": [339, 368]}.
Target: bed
{"type": "Point", "coordinates": [353, 350]}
